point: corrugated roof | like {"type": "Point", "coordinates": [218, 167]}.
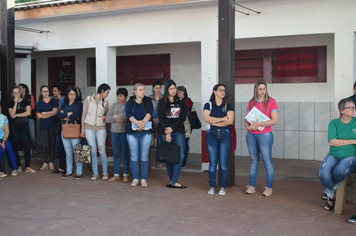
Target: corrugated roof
{"type": "Point", "coordinates": [49, 3]}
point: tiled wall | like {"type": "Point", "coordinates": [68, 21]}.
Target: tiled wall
{"type": "Point", "coordinates": [301, 132]}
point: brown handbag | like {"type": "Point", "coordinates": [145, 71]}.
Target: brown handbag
{"type": "Point", "coordinates": [71, 130]}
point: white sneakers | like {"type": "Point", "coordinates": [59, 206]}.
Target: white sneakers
{"type": "Point", "coordinates": [222, 191]}
{"type": "Point", "coordinates": [2, 175]}
{"type": "Point", "coordinates": [135, 182]}
{"type": "Point", "coordinates": [13, 173]}
{"type": "Point", "coordinates": [144, 183]}
{"type": "Point", "coordinates": [211, 191]}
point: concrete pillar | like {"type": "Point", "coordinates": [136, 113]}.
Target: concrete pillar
{"type": "Point", "coordinates": [23, 71]}
{"type": "Point", "coordinates": [345, 65]}
{"type": "Point", "coordinates": [106, 69]}
{"type": "Point", "coordinates": [209, 67]}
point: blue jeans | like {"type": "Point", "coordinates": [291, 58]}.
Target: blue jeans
{"type": "Point", "coordinates": [218, 143]}
{"type": "Point", "coordinates": [32, 130]}
{"type": "Point", "coordinates": [139, 144]}
{"type": "Point", "coordinates": [68, 144]}
{"type": "Point", "coordinates": [333, 170]}
{"type": "Point", "coordinates": [260, 145]}
{"type": "Point", "coordinates": [97, 138]}
{"type": "Point", "coordinates": [186, 150]}
{"type": "Point", "coordinates": [61, 152]}
{"type": "Point", "coordinates": [174, 170]}
{"type": "Point", "coordinates": [118, 141]}
{"type": "Point", "coordinates": [10, 154]}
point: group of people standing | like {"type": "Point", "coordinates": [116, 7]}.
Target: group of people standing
{"type": "Point", "coordinates": [138, 120]}
{"type": "Point", "coordinates": [134, 123]}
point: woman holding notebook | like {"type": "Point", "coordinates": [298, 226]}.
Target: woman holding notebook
{"type": "Point", "coordinates": [139, 111]}
{"type": "Point", "coordinates": [259, 136]}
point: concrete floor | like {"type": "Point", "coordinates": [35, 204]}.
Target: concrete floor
{"type": "Point", "coordinates": [45, 204]}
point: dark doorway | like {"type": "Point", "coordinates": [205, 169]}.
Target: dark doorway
{"type": "Point", "coordinates": [61, 70]}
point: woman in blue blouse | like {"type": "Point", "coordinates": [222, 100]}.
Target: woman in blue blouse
{"type": "Point", "coordinates": [71, 111]}
{"type": "Point", "coordinates": [139, 111]}
{"type": "Point", "coordinates": [46, 111]}
{"type": "Point", "coordinates": [219, 115]}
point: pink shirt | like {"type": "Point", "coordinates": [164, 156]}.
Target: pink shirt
{"type": "Point", "coordinates": [271, 106]}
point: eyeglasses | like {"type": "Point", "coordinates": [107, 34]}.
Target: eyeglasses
{"type": "Point", "coordinates": [350, 108]}
{"type": "Point", "coordinates": [221, 90]}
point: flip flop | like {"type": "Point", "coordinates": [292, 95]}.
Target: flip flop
{"type": "Point", "coordinates": [324, 196]}
{"type": "Point", "coordinates": [172, 186]}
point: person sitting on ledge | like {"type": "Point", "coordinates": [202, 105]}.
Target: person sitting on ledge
{"type": "Point", "coordinates": [341, 160]}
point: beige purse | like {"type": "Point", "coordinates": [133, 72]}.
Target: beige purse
{"type": "Point", "coordinates": [71, 130]}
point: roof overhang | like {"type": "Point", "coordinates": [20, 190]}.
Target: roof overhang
{"type": "Point", "coordinates": [23, 51]}
{"type": "Point", "coordinates": [49, 3]}
{"type": "Point", "coordinates": [56, 8]}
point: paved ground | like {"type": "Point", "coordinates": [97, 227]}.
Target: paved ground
{"type": "Point", "coordinates": [45, 204]}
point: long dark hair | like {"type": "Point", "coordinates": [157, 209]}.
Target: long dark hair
{"type": "Point", "coordinates": [25, 87]}
{"type": "Point", "coordinates": [103, 87]}
{"type": "Point", "coordinates": [215, 88]}
{"type": "Point", "coordinates": [71, 88]}
{"type": "Point", "coordinates": [255, 93]}
{"type": "Point", "coordinates": [79, 94]}
{"type": "Point", "coordinates": [41, 97]}
{"type": "Point", "coordinates": [165, 99]}
{"type": "Point", "coordinates": [184, 90]}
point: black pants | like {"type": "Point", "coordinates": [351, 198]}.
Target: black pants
{"type": "Point", "coordinates": [49, 143]}
{"type": "Point", "coordinates": [20, 131]}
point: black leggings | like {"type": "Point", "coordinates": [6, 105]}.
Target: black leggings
{"type": "Point", "coordinates": [20, 131]}
{"type": "Point", "coordinates": [49, 143]}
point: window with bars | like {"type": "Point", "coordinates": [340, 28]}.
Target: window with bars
{"type": "Point", "coordinates": [130, 70]}
{"type": "Point", "coordinates": [143, 69]}
{"type": "Point", "coordinates": [288, 65]}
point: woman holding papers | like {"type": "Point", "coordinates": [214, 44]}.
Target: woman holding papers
{"type": "Point", "coordinates": [172, 112]}
{"type": "Point", "coordinates": [219, 115]}
{"type": "Point", "coordinates": [341, 159]}
{"type": "Point", "coordinates": [259, 135]}
{"type": "Point", "coordinates": [95, 109]}
{"type": "Point", "coordinates": [139, 111]}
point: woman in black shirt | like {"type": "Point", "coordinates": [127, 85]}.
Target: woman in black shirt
{"type": "Point", "coordinates": [172, 113]}
{"type": "Point", "coordinates": [19, 110]}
